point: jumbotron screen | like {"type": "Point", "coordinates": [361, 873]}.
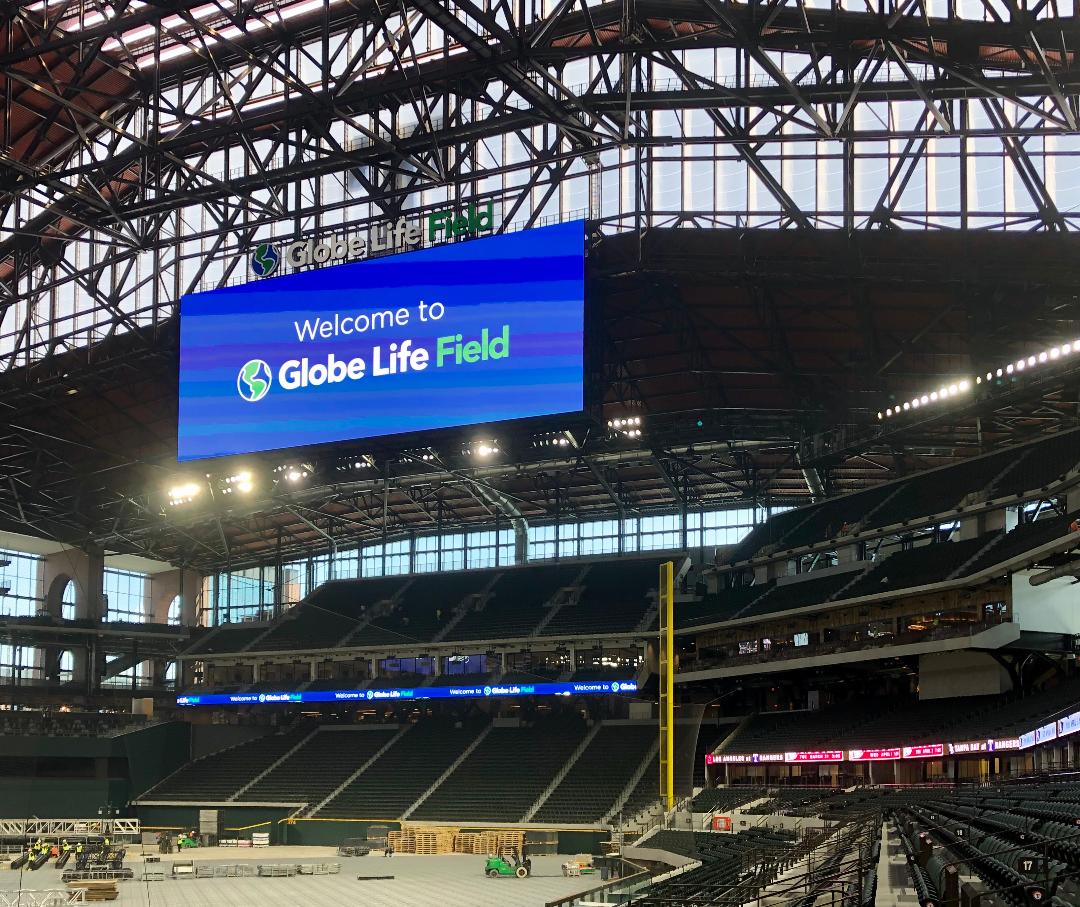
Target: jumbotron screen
{"type": "Point", "coordinates": [453, 335]}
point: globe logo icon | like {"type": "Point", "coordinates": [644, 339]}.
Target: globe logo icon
{"type": "Point", "coordinates": [614, 687]}
{"type": "Point", "coordinates": [253, 381]}
{"type": "Point", "coordinates": [487, 691]}
{"type": "Point", "coordinates": [264, 260]}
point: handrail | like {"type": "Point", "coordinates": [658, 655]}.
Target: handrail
{"type": "Point", "coordinates": [613, 883]}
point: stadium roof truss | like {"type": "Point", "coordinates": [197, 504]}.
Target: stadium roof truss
{"type": "Point", "coordinates": [146, 147]}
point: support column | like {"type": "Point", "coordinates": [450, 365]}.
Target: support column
{"type": "Point", "coordinates": [973, 526]}
{"type": "Point", "coordinates": [1072, 499]}
{"type": "Point", "coordinates": [86, 569]}
{"type": "Point", "coordinates": [165, 586]}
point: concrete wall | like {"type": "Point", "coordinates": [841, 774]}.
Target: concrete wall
{"type": "Point", "coordinates": [946, 674]}
{"type": "Point", "coordinates": [1053, 607]}
{"type": "Point", "coordinates": [136, 760]}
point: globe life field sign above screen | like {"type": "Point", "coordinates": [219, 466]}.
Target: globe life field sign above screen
{"type": "Point", "coordinates": [458, 334]}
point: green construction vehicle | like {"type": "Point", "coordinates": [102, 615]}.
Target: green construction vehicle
{"type": "Point", "coordinates": [500, 866]}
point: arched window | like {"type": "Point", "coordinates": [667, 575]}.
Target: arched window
{"type": "Point", "coordinates": [176, 607]}
{"type": "Point", "coordinates": [67, 603]}
{"type": "Point", "coordinates": [67, 666]}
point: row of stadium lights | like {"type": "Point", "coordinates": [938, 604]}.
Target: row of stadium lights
{"type": "Point", "coordinates": [630, 426]}
{"type": "Point", "coordinates": [961, 387]}
{"type": "Point", "coordinates": [244, 482]}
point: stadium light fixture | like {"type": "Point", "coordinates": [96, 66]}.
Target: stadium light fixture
{"type": "Point", "coordinates": [183, 493]}
{"type": "Point", "coordinates": [356, 463]}
{"type": "Point", "coordinates": [627, 426]}
{"type": "Point", "coordinates": [242, 483]}
{"type": "Point", "coordinates": [293, 473]}
{"type": "Point", "coordinates": [557, 439]}
{"type": "Point", "coordinates": [423, 454]}
{"type": "Point", "coordinates": [481, 449]}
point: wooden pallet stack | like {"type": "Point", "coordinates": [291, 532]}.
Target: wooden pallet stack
{"type": "Point", "coordinates": [433, 841]}
{"type": "Point", "coordinates": [501, 842]}
{"type": "Point", "coordinates": [439, 839]}
{"type": "Point", "coordinates": [402, 841]}
{"type": "Point", "coordinates": [468, 842]}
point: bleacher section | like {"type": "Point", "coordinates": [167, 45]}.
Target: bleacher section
{"type": "Point", "coordinates": [616, 597]}
{"type": "Point", "coordinates": [327, 615]}
{"type": "Point", "coordinates": [516, 603]}
{"type": "Point", "coordinates": [724, 860]}
{"type": "Point", "coordinates": [644, 793]}
{"type": "Point", "coordinates": [918, 566]}
{"type": "Point", "coordinates": [601, 773]}
{"type": "Point", "coordinates": [881, 723]}
{"type": "Point", "coordinates": [716, 799]}
{"type": "Point", "coordinates": [426, 605]}
{"type": "Point", "coordinates": [505, 774]}
{"type": "Point", "coordinates": [1021, 472]}
{"type": "Point", "coordinates": [799, 594]}
{"type": "Point", "coordinates": [217, 777]}
{"type": "Point", "coordinates": [318, 767]}
{"type": "Point", "coordinates": [1025, 537]}
{"type": "Point", "coordinates": [401, 775]}
{"type": "Point", "coordinates": [939, 490]}
{"type": "Point", "coordinates": [727, 604]}
{"type": "Point", "coordinates": [780, 731]}
{"type": "Point", "coordinates": [227, 638]}
{"type": "Point", "coordinates": [1013, 838]}
{"type": "Point", "coordinates": [1043, 464]}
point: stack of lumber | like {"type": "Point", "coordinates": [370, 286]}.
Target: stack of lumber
{"type": "Point", "coordinates": [96, 890]}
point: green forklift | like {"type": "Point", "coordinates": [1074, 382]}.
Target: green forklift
{"type": "Point", "coordinates": [500, 866]}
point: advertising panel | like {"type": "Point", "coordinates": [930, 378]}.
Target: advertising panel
{"type": "Point", "coordinates": [583, 688]}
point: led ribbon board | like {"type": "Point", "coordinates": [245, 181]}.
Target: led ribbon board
{"type": "Point", "coordinates": [584, 688]}
{"type": "Point", "coordinates": [459, 334]}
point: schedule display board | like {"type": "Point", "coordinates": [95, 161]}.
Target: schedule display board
{"type": "Point", "coordinates": [453, 335]}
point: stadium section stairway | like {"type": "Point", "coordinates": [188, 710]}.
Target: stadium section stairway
{"type": "Point", "coordinates": [570, 600]}
{"type": "Point", "coordinates": [302, 743]}
{"type": "Point", "coordinates": [216, 777]}
{"type": "Point", "coordinates": [465, 753]}
{"type": "Point", "coordinates": [411, 765]}
{"type": "Point", "coordinates": [315, 768]}
{"type": "Point", "coordinates": [632, 790]}
{"type": "Point", "coordinates": [600, 774]}
{"type": "Point", "coordinates": [364, 766]}
{"type": "Point", "coordinates": [504, 774]}
{"type": "Point", "coordinates": [557, 780]}
{"type": "Point", "coordinates": [515, 604]}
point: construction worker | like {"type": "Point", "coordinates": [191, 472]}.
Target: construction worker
{"type": "Point", "coordinates": [80, 856]}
